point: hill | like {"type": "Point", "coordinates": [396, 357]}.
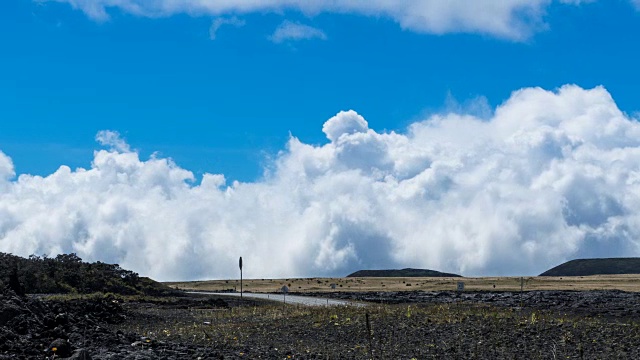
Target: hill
{"type": "Point", "coordinates": [67, 273]}
{"type": "Point", "coordinates": [586, 267]}
{"type": "Point", "coordinates": [401, 273]}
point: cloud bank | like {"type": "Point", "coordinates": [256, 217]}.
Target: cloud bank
{"type": "Point", "coordinates": [513, 19]}
{"type": "Point", "coordinates": [548, 177]}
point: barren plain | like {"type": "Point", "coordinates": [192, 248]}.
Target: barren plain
{"type": "Point", "coordinates": [579, 283]}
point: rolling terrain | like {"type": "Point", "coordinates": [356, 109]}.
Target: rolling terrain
{"type": "Point", "coordinates": [581, 274]}
{"type": "Point", "coordinates": [587, 267]}
{"type": "Point", "coordinates": [408, 272]}
{"type": "Point", "coordinates": [596, 282]}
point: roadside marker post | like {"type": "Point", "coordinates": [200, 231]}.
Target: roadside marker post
{"type": "Point", "coordinates": [521, 289]}
{"type": "Point", "coordinates": [285, 290]}
{"type": "Point", "coordinates": [240, 263]}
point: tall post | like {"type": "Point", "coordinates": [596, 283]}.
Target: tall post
{"type": "Point", "coordinates": [521, 289]}
{"type": "Point", "coordinates": [240, 262]}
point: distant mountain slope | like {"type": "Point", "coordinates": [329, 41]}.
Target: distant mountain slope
{"type": "Point", "coordinates": [585, 267]}
{"type": "Point", "coordinates": [401, 273]}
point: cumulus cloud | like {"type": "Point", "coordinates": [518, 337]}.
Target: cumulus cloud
{"type": "Point", "coordinates": [218, 22]}
{"type": "Point", "coordinates": [344, 123]}
{"type": "Point", "coordinates": [514, 19]}
{"type": "Point", "coordinates": [550, 176]}
{"type": "Point", "coordinates": [293, 31]}
{"type": "Point", "coordinates": [6, 167]}
{"type": "Point", "coordinates": [112, 140]}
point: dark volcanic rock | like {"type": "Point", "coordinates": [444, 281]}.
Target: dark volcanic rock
{"type": "Point", "coordinates": [611, 304]}
{"type": "Point", "coordinates": [82, 329]}
{"type": "Point", "coordinates": [9, 311]}
{"type": "Point", "coordinates": [60, 347]}
{"type": "Point", "coordinates": [80, 354]}
{"type": "Point", "coordinates": [456, 326]}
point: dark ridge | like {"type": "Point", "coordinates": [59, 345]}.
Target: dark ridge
{"type": "Point", "coordinates": [68, 274]}
{"type": "Point", "coordinates": [401, 273]}
{"type": "Point", "coordinates": [586, 267]}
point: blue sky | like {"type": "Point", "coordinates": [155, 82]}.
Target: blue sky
{"type": "Point", "coordinates": [226, 105]}
{"type": "Point", "coordinates": [316, 138]}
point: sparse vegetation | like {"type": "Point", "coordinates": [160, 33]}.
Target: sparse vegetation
{"type": "Point", "coordinates": [421, 331]}
{"type": "Point", "coordinates": [597, 282]}
{"type": "Point", "coordinates": [67, 273]}
{"type": "Point", "coordinates": [405, 324]}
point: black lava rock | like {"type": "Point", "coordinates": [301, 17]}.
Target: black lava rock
{"type": "Point", "coordinates": [60, 347]}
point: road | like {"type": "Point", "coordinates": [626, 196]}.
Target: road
{"type": "Point", "coordinates": [289, 299]}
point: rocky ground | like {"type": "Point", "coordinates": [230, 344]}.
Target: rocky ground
{"type": "Point", "coordinates": [402, 325]}
{"type": "Point", "coordinates": [86, 328]}
{"type": "Point", "coordinates": [609, 304]}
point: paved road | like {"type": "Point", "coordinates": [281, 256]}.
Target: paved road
{"type": "Point", "coordinates": [289, 299]}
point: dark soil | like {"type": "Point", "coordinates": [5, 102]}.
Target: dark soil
{"type": "Point", "coordinates": [402, 325]}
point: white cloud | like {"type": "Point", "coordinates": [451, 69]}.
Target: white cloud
{"type": "Point", "coordinates": [218, 22]}
{"type": "Point", "coordinates": [513, 19]}
{"type": "Point", "coordinates": [548, 177]}
{"type": "Point", "coordinates": [112, 140]}
{"type": "Point", "coordinates": [344, 123]}
{"type": "Point", "coordinates": [6, 167]}
{"type": "Point", "coordinates": [578, 2]}
{"type": "Point", "coordinates": [294, 31]}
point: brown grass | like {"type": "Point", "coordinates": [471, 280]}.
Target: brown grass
{"type": "Point", "coordinates": [598, 282]}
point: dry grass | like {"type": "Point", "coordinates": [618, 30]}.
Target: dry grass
{"type": "Point", "coordinates": [598, 282]}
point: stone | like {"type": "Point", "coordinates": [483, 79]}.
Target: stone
{"type": "Point", "coordinates": [80, 354]}
{"type": "Point", "coordinates": [60, 347]}
{"type": "Point", "coordinates": [9, 311]}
